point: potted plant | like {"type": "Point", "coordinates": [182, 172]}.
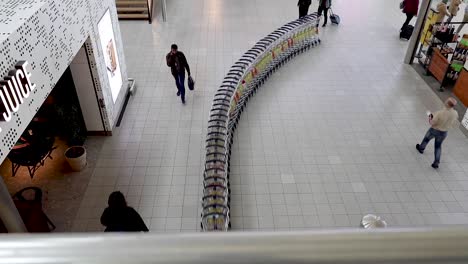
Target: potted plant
{"type": "Point", "coordinates": [74, 131]}
{"type": "Point", "coordinates": [68, 122]}
{"type": "Point", "coordinates": [76, 157]}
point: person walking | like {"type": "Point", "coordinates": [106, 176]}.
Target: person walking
{"type": "Point", "coordinates": [178, 63]}
{"type": "Point", "coordinates": [440, 122]}
{"type": "Point", "coordinates": [410, 8]}
{"type": "Point", "coordinates": [303, 7]}
{"type": "Point", "coordinates": [324, 5]}
{"type": "Point", "coordinates": [119, 217]}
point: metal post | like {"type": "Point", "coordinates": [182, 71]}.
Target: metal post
{"type": "Point", "coordinates": [8, 212]}
{"type": "Point", "coordinates": [164, 10]}
{"type": "Point", "coordinates": [413, 43]}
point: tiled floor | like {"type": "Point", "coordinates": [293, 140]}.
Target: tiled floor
{"type": "Point", "coordinates": [62, 188]}
{"type": "Point", "coordinates": [328, 138]}
{"type": "Point", "coordinates": [331, 137]}
{"type": "Point", "coordinates": [156, 156]}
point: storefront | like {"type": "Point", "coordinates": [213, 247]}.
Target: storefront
{"type": "Point", "coordinates": [440, 51]}
{"type": "Point", "coordinates": [64, 77]}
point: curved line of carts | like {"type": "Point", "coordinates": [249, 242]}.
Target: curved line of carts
{"type": "Point", "coordinates": [240, 83]}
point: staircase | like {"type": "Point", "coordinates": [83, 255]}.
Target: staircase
{"type": "Point", "coordinates": [135, 9]}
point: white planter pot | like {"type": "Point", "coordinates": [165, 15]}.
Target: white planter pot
{"type": "Point", "coordinates": [76, 157]}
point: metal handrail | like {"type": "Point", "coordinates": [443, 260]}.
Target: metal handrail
{"type": "Point", "coordinates": [449, 245]}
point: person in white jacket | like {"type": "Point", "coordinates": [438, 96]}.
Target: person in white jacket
{"type": "Point", "coordinates": [441, 122]}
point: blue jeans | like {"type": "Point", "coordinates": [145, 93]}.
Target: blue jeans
{"type": "Point", "coordinates": [439, 137]}
{"type": "Point", "coordinates": [180, 83]}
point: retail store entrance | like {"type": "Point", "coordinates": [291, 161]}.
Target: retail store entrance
{"type": "Point", "coordinates": [38, 169]}
{"type": "Point", "coordinates": [441, 52]}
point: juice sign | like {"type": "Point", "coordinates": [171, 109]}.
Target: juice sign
{"type": "Point", "coordinates": [14, 88]}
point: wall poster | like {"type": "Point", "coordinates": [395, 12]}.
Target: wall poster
{"type": "Point", "coordinates": [106, 34]}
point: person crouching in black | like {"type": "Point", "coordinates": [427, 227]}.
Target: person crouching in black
{"type": "Point", "coordinates": [119, 217]}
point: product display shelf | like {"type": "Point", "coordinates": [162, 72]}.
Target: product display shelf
{"type": "Point", "coordinates": [241, 82]}
{"type": "Point", "coordinates": [454, 63]}
{"type": "Point", "coordinates": [458, 60]}
{"type": "Point", "coordinates": [461, 87]}
{"type": "Point", "coordinates": [438, 65]}
{"type": "Point", "coordinates": [433, 42]}
{"type": "Point", "coordinates": [445, 55]}
{"type": "Point", "coordinates": [436, 35]}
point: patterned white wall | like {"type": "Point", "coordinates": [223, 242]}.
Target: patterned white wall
{"type": "Point", "coordinates": [48, 34]}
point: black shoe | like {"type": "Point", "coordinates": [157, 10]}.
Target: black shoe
{"type": "Point", "coordinates": [435, 166]}
{"type": "Point", "coordinates": [183, 101]}
{"type": "Point", "coordinates": [178, 93]}
{"type": "Point", "coordinates": [419, 149]}
{"type": "Point", "coordinates": [324, 25]}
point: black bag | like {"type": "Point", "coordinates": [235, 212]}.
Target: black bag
{"type": "Point", "coordinates": [406, 32]}
{"type": "Point", "coordinates": [191, 83]}
{"type": "Point", "coordinates": [335, 19]}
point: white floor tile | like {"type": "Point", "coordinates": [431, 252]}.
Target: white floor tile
{"type": "Point", "coordinates": [328, 138]}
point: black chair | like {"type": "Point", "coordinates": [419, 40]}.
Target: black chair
{"type": "Point", "coordinates": [40, 147]}
{"type": "Point", "coordinates": [31, 211]}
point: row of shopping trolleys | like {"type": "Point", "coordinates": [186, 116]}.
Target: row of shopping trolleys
{"type": "Point", "coordinates": [224, 118]}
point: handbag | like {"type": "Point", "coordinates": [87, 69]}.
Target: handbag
{"type": "Point", "coordinates": [191, 83]}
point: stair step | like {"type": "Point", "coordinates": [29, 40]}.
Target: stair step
{"type": "Point", "coordinates": [131, 3]}
{"type": "Point", "coordinates": [132, 9]}
{"type": "Point", "coordinates": [133, 16]}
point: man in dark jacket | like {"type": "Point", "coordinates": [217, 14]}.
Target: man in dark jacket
{"type": "Point", "coordinates": [178, 63]}
{"type": "Point", "coordinates": [303, 7]}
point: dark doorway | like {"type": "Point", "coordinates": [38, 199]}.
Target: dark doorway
{"type": "Point", "coordinates": [62, 111]}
